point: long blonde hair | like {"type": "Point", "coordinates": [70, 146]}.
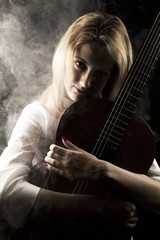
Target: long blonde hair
{"type": "Point", "coordinates": [108, 31]}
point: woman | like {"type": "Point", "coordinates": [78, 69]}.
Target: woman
{"type": "Point", "coordinates": [91, 60]}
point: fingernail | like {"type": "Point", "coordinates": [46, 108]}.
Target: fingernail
{"type": "Point", "coordinates": [45, 164]}
{"type": "Point", "coordinates": [64, 138]}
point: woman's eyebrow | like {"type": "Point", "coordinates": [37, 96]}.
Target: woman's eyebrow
{"type": "Point", "coordinates": [80, 59]}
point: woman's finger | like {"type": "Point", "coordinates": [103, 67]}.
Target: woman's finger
{"type": "Point", "coordinates": [70, 145]}
{"type": "Point", "coordinates": [59, 150]}
{"type": "Point", "coordinates": [52, 162]}
{"type": "Point", "coordinates": [54, 155]}
{"type": "Point", "coordinates": [50, 153]}
{"type": "Point", "coordinates": [53, 169]}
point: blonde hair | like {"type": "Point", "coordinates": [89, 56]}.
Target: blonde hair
{"type": "Point", "coordinates": [107, 30]}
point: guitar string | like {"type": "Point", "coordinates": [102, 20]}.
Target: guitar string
{"type": "Point", "coordinates": [81, 183]}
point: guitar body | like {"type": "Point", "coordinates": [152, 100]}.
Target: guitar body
{"type": "Point", "coordinates": [83, 121]}
{"type": "Point", "coordinates": [81, 124]}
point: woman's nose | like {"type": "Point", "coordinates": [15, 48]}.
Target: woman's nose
{"type": "Point", "coordinates": [85, 80]}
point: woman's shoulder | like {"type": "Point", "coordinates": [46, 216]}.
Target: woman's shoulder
{"type": "Point", "coordinates": [35, 107]}
{"type": "Point", "coordinates": [34, 114]}
{"type": "Point", "coordinates": [36, 110]}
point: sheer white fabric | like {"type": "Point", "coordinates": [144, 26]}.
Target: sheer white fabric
{"type": "Point", "coordinates": [154, 171]}
{"type": "Point", "coordinates": [22, 173]}
{"type": "Point", "coordinates": [28, 145]}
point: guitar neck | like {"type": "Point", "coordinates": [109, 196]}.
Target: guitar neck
{"type": "Point", "coordinates": [131, 91]}
{"type": "Point", "coordinates": [141, 69]}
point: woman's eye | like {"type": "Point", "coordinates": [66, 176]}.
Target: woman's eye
{"type": "Point", "coordinates": [101, 73]}
{"type": "Point", "coordinates": [80, 64]}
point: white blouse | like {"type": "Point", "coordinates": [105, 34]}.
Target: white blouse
{"type": "Point", "coordinates": [22, 172]}
{"type": "Point", "coordinates": [27, 147]}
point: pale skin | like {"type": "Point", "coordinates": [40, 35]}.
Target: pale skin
{"type": "Point", "coordinates": [91, 69]}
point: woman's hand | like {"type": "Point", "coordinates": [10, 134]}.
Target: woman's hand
{"type": "Point", "coordinates": [117, 210]}
{"type": "Point", "coordinates": [74, 163]}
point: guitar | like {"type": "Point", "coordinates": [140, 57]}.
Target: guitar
{"type": "Point", "coordinates": [113, 132]}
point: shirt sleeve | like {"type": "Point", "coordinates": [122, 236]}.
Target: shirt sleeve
{"type": "Point", "coordinates": [17, 196]}
{"type": "Point", "coordinates": [154, 171]}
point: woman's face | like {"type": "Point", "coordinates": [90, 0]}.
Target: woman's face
{"type": "Point", "coordinates": [91, 69]}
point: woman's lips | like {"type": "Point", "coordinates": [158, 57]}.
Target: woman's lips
{"type": "Point", "coordinates": [79, 91]}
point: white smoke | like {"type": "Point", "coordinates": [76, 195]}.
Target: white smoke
{"type": "Point", "coordinates": [29, 32]}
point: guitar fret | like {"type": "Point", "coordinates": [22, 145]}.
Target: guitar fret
{"type": "Point", "coordinates": [120, 121]}
{"type": "Point", "coordinates": [141, 72]}
{"type": "Point", "coordinates": [146, 64]}
{"type": "Point", "coordinates": [134, 97]}
{"type": "Point", "coordinates": [150, 62]}
{"type": "Point", "coordinates": [156, 46]}
{"type": "Point", "coordinates": [128, 111]}
{"type": "Point", "coordinates": [138, 80]}
{"type": "Point", "coordinates": [114, 148]}
{"type": "Point", "coordinates": [108, 137]}
{"type": "Point", "coordinates": [114, 124]}
{"type": "Point", "coordinates": [107, 133]}
{"type": "Point", "coordinates": [113, 130]}
{"type": "Point", "coordinates": [127, 101]}
{"type": "Point", "coordinates": [122, 114]}
{"type": "Point", "coordinates": [113, 142]}
{"type": "Point", "coordinates": [154, 57]}
{"type": "Point", "coordinates": [136, 88]}
{"type": "Point", "coordinates": [108, 140]}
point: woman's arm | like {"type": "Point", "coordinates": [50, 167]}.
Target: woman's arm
{"type": "Point", "coordinates": [56, 204]}
{"type": "Point", "coordinates": [75, 163]}
{"type": "Point", "coordinates": [111, 207]}
{"type": "Point", "coordinates": [138, 187]}
{"type": "Point", "coordinates": [17, 193]}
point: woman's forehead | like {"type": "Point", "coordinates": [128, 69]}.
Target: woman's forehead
{"type": "Point", "coordinates": [94, 54]}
